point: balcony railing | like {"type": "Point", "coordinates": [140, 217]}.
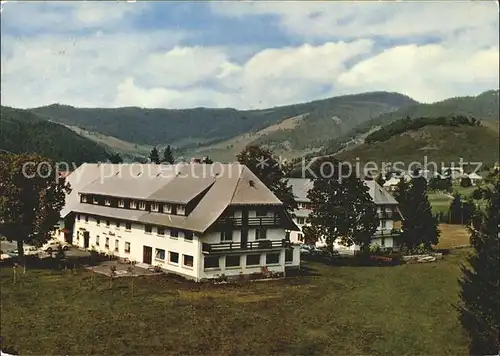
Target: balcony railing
{"type": "Point", "coordinates": [250, 245]}
{"type": "Point", "coordinates": [387, 233]}
{"type": "Point", "coordinates": [252, 221]}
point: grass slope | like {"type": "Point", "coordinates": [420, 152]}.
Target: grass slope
{"type": "Point", "coordinates": [439, 143]}
{"type": "Point", "coordinates": [403, 310]}
{"type": "Point", "coordinates": [193, 128]}
{"type": "Point", "coordinates": [24, 132]}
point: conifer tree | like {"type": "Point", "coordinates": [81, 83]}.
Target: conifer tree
{"type": "Point", "coordinates": [480, 284]}
{"type": "Point", "coordinates": [154, 156]}
{"type": "Point", "coordinates": [168, 156]}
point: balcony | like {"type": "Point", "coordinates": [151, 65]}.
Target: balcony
{"type": "Point", "coordinates": [386, 214]}
{"type": "Point", "coordinates": [248, 246]}
{"type": "Point", "coordinates": [252, 221]}
{"type": "Point", "coordinates": [387, 233]}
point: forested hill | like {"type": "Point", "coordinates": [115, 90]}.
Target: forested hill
{"type": "Point", "coordinates": [202, 126]}
{"type": "Point", "coordinates": [23, 131]}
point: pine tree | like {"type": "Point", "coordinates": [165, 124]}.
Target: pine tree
{"type": "Point", "coordinates": [342, 210]}
{"type": "Point", "coordinates": [168, 156]}
{"type": "Point", "coordinates": [154, 156]}
{"type": "Point", "coordinates": [380, 180]}
{"type": "Point", "coordinates": [419, 225]}
{"type": "Point", "coordinates": [271, 171]}
{"type": "Point", "coordinates": [480, 284]}
{"type": "Point", "coordinates": [115, 158]}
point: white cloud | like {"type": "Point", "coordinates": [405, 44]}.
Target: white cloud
{"type": "Point", "coordinates": [426, 73]}
{"type": "Point", "coordinates": [116, 65]}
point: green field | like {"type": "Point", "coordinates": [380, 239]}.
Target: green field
{"type": "Point", "coordinates": [400, 310]}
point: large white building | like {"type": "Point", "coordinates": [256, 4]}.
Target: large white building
{"type": "Point", "coordinates": [201, 221]}
{"type": "Point", "coordinates": [387, 211]}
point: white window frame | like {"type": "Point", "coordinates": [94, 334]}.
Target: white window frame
{"type": "Point", "coordinates": [167, 208]}
{"type": "Point", "coordinates": [107, 202]}
{"type": "Point", "coordinates": [121, 203]}
{"type": "Point", "coordinates": [84, 198]}
{"type": "Point", "coordinates": [184, 260]}
{"type": "Point", "coordinates": [170, 255]}
{"type": "Point", "coordinates": [133, 204]}
{"type": "Point", "coordinates": [157, 250]}
{"type": "Point", "coordinates": [127, 244]}
{"type": "Point", "coordinates": [154, 206]}
{"type": "Point", "coordinates": [142, 205]}
{"type": "Point", "coordinates": [117, 245]}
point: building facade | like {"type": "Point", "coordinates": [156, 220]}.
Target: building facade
{"type": "Point", "coordinates": [386, 236]}
{"type": "Point", "coordinates": [196, 220]}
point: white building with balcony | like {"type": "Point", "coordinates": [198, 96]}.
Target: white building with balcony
{"type": "Point", "coordinates": [387, 211]}
{"type": "Point", "coordinates": [200, 221]}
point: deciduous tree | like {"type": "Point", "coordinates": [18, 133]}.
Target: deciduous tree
{"type": "Point", "coordinates": [271, 171]}
{"type": "Point", "coordinates": [342, 209]}
{"type": "Point", "coordinates": [480, 284]}
{"type": "Point", "coordinates": [31, 198]}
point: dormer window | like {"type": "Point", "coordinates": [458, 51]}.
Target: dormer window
{"type": "Point", "coordinates": [84, 198]}
{"type": "Point", "coordinates": [167, 208]}
{"type": "Point", "coordinates": [181, 210]}
{"type": "Point", "coordinates": [96, 201]}
{"type": "Point", "coordinates": [133, 204]}
{"type": "Point", "coordinates": [142, 205]}
{"type": "Point", "coordinates": [121, 203]}
{"type": "Point", "coordinates": [154, 206]}
{"type": "Point", "coordinates": [107, 202]}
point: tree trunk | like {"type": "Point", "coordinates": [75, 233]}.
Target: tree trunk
{"type": "Point", "coordinates": [20, 254]}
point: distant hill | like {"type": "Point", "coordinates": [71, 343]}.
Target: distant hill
{"type": "Point", "coordinates": [438, 143]}
{"type": "Point", "coordinates": [201, 130]}
{"type": "Point", "coordinates": [23, 131]}
{"type": "Point", "coordinates": [484, 107]}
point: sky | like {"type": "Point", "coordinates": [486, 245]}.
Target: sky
{"type": "Point", "coordinates": [246, 55]}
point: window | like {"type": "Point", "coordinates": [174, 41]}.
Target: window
{"type": "Point", "coordinates": [97, 240]}
{"type": "Point", "coordinates": [211, 262]}
{"type": "Point", "coordinates": [174, 210]}
{"type": "Point", "coordinates": [98, 221]}
{"type": "Point", "coordinates": [272, 258]}
{"type": "Point", "coordinates": [161, 230]}
{"type": "Point", "coordinates": [226, 235]}
{"type": "Point", "coordinates": [301, 220]}
{"type": "Point", "coordinates": [232, 261]}
{"type": "Point", "coordinates": [77, 216]}
{"type": "Point", "coordinates": [96, 201]}
{"type": "Point", "coordinates": [299, 205]}
{"type": "Point", "coordinates": [289, 255]}
{"type": "Point", "coordinates": [107, 242]}
{"type": "Point", "coordinates": [287, 235]}
{"type": "Point", "coordinates": [160, 254]}
{"type": "Point", "coordinates": [261, 212]}
{"type": "Point", "coordinates": [117, 223]}
{"type": "Point", "coordinates": [121, 203]}
{"type": "Point", "coordinates": [187, 260]}
{"type": "Point", "coordinates": [127, 247]}
{"type": "Point", "coordinates": [188, 235]}
{"type": "Point", "coordinates": [382, 242]}
{"type": "Point", "coordinates": [133, 204]}
{"type": "Point", "coordinates": [148, 229]}
{"type": "Point", "coordinates": [84, 198]}
{"type": "Point", "coordinates": [383, 224]}
{"type": "Point", "coordinates": [173, 257]}
{"type": "Point", "coordinates": [260, 233]}
{"type": "Point", "coordinates": [142, 205]}
{"type": "Point", "coordinates": [108, 223]}
{"type": "Point", "coordinates": [174, 233]}
{"type": "Point", "coordinates": [154, 206]}
{"type": "Point", "coordinates": [167, 208]}
{"type": "Point", "coordinates": [117, 243]}
{"type": "Point", "coordinates": [86, 218]}
{"type": "Point", "coordinates": [107, 202]}
{"type": "Point", "coordinates": [180, 210]}
{"type": "Point", "coordinates": [128, 226]}
{"type": "Point", "coordinates": [300, 237]}
{"type": "Point", "coordinates": [253, 260]}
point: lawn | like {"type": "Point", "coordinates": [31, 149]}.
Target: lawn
{"type": "Point", "coordinates": [400, 310]}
